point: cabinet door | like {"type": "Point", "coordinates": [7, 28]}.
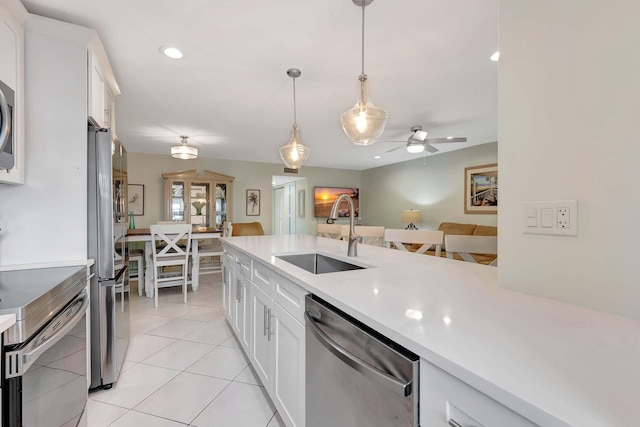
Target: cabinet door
{"type": "Point", "coordinates": [95, 91]}
{"type": "Point", "coordinates": [244, 313]}
{"type": "Point", "coordinates": [288, 366]}
{"type": "Point", "coordinates": [227, 279]}
{"type": "Point", "coordinates": [260, 348]}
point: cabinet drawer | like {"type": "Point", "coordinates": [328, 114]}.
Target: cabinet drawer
{"type": "Point", "coordinates": [262, 278]}
{"type": "Point", "coordinates": [444, 397]}
{"type": "Point", "coordinates": [290, 296]}
{"type": "Point", "coordinates": [243, 265]}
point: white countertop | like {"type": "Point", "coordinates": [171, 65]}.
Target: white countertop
{"type": "Point", "coordinates": [7, 321]}
{"type": "Point", "coordinates": [545, 359]}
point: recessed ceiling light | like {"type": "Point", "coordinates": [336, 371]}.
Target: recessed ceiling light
{"type": "Point", "coordinates": [171, 52]}
{"type": "Point", "coordinates": [495, 57]}
{"type": "Point", "coordinates": [376, 157]}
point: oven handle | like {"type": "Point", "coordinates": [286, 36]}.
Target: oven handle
{"type": "Point", "coordinates": [399, 386]}
{"type": "Point", "coordinates": [5, 131]}
{"type": "Point", "coordinates": [31, 355]}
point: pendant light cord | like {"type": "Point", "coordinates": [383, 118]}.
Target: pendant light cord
{"type": "Point", "coordinates": [363, 4]}
{"type": "Point", "coordinates": [295, 120]}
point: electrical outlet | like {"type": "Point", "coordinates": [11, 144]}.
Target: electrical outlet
{"type": "Point", "coordinates": [562, 217]}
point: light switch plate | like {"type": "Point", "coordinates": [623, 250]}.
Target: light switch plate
{"type": "Point", "coordinates": [555, 217]}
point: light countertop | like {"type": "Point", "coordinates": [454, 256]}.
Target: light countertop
{"type": "Point", "coordinates": [7, 321]}
{"type": "Point", "coordinates": [552, 362]}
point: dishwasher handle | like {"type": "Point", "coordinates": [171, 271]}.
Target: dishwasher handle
{"type": "Point", "coordinates": [366, 369]}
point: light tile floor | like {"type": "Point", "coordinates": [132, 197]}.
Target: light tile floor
{"type": "Point", "coordinates": [183, 367]}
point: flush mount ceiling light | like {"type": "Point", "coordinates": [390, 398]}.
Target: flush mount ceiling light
{"type": "Point", "coordinates": [183, 151]}
{"type": "Point", "coordinates": [365, 122]}
{"type": "Point", "coordinates": [171, 52]}
{"type": "Point", "coordinates": [495, 57]}
{"type": "Point", "coordinates": [294, 154]}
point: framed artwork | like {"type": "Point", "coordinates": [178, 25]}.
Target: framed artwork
{"type": "Point", "coordinates": [135, 193]}
{"type": "Point", "coordinates": [301, 203]}
{"type": "Point", "coordinates": [253, 202]}
{"type": "Point", "coordinates": [324, 197]}
{"type": "Point", "coordinates": [481, 189]}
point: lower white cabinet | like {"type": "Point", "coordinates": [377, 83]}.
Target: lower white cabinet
{"type": "Point", "coordinates": [447, 401]}
{"type": "Point", "coordinates": [270, 332]}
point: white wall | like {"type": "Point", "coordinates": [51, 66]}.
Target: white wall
{"type": "Point", "coordinates": [45, 220]}
{"type": "Point", "coordinates": [569, 105]}
{"type": "Point", "coordinates": [147, 169]}
{"type": "Point", "coordinates": [434, 185]}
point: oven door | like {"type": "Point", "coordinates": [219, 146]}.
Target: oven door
{"type": "Point", "coordinates": [46, 378]}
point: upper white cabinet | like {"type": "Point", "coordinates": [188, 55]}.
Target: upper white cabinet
{"type": "Point", "coordinates": [12, 74]}
{"type": "Point", "coordinates": [101, 87]}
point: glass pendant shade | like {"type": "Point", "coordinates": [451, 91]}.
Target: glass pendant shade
{"type": "Point", "coordinates": [294, 155]}
{"type": "Point", "coordinates": [183, 151]}
{"type": "Point", "coordinates": [365, 122]}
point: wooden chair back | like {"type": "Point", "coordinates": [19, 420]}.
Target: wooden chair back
{"type": "Point", "coordinates": [368, 234]}
{"type": "Point", "coordinates": [247, 229]}
{"type": "Point", "coordinates": [467, 245]}
{"type": "Point", "coordinates": [427, 238]}
{"type": "Point", "coordinates": [165, 238]}
{"type": "Point", "coordinates": [332, 231]}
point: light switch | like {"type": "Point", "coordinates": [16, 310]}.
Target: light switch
{"type": "Point", "coordinates": [546, 217]}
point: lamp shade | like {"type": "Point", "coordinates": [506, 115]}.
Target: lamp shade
{"type": "Point", "coordinates": [411, 216]}
{"type": "Point", "coordinates": [364, 122]}
{"type": "Point", "coordinates": [294, 154]}
{"type": "Point", "coordinates": [183, 151]}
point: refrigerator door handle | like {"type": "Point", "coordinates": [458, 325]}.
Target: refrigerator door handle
{"type": "Point", "coordinates": [390, 382]}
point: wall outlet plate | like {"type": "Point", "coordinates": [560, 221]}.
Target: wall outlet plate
{"type": "Point", "coordinates": [563, 221]}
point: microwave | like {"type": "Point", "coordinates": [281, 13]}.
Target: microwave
{"type": "Point", "coordinates": [7, 144]}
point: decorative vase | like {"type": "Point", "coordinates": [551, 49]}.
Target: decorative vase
{"type": "Point", "coordinates": [132, 221]}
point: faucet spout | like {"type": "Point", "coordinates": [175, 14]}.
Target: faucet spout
{"type": "Point", "coordinates": [353, 237]}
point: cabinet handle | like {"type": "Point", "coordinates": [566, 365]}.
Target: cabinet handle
{"type": "Point", "coordinates": [453, 423]}
{"type": "Point", "coordinates": [271, 316]}
{"type": "Point", "coordinates": [265, 318]}
{"type": "Point", "coordinates": [238, 290]}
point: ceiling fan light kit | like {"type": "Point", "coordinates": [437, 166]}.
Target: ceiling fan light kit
{"type": "Point", "coordinates": [294, 155]}
{"type": "Point", "coordinates": [364, 123]}
{"type": "Point", "coordinates": [183, 151]}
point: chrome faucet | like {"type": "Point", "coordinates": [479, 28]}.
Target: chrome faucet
{"type": "Point", "coordinates": [353, 237]}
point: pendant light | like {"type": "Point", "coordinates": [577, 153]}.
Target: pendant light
{"type": "Point", "coordinates": [183, 151]}
{"type": "Point", "coordinates": [294, 155]}
{"type": "Point", "coordinates": [365, 122]}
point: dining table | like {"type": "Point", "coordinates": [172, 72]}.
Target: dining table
{"type": "Point", "coordinates": [144, 235]}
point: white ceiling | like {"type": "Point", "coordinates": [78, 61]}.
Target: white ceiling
{"type": "Point", "coordinates": [427, 61]}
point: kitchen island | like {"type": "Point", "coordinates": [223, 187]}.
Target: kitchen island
{"type": "Point", "coordinates": [552, 363]}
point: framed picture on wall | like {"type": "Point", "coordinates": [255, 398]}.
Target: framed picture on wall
{"type": "Point", "coordinates": [136, 198]}
{"type": "Point", "coordinates": [481, 189]}
{"type": "Point", "coordinates": [253, 202]}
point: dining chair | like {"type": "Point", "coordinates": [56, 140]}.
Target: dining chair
{"type": "Point", "coordinates": [212, 251]}
{"type": "Point", "coordinates": [368, 234]}
{"type": "Point", "coordinates": [171, 254]}
{"type": "Point", "coordinates": [401, 237]}
{"type": "Point", "coordinates": [137, 256]}
{"type": "Point", "coordinates": [122, 287]}
{"type": "Point", "coordinates": [332, 231]}
{"type": "Point", "coordinates": [465, 246]}
{"type": "Point", "coordinates": [247, 229]}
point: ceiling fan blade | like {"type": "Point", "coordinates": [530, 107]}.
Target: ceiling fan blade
{"type": "Point", "coordinates": [397, 148]}
{"type": "Point", "coordinates": [443, 140]}
{"type": "Point", "coordinates": [430, 148]}
{"type": "Point", "coordinates": [419, 135]}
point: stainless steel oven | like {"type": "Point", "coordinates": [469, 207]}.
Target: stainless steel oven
{"type": "Point", "coordinates": [44, 367]}
{"type": "Point", "coordinates": [7, 148]}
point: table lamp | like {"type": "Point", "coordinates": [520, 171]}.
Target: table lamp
{"type": "Point", "coordinates": [411, 216]}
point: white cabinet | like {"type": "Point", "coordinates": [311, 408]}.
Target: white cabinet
{"type": "Point", "coordinates": [265, 311]}
{"type": "Point", "coordinates": [444, 397]}
{"type": "Point", "coordinates": [95, 91]}
{"type": "Point", "coordinates": [227, 292]}
{"type": "Point", "coordinates": [12, 74]}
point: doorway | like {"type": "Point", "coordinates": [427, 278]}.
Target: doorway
{"type": "Point", "coordinates": [286, 213]}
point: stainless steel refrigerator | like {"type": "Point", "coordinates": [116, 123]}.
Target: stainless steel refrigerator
{"type": "Point", "coordinates": [107, 225]}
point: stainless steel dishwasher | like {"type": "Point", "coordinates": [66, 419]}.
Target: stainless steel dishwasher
{"type": "Point", "coordinates": [354, 376]}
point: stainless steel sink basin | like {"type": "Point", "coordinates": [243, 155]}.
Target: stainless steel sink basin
{"type": "Point", "coordinates": [319, 264]}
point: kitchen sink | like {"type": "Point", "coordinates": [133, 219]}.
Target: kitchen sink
{"type": "Point", "coordinates": [319, 264]}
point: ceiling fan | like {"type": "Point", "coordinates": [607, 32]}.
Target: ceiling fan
{"type": "Point", "coordinates": [418, 142]}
